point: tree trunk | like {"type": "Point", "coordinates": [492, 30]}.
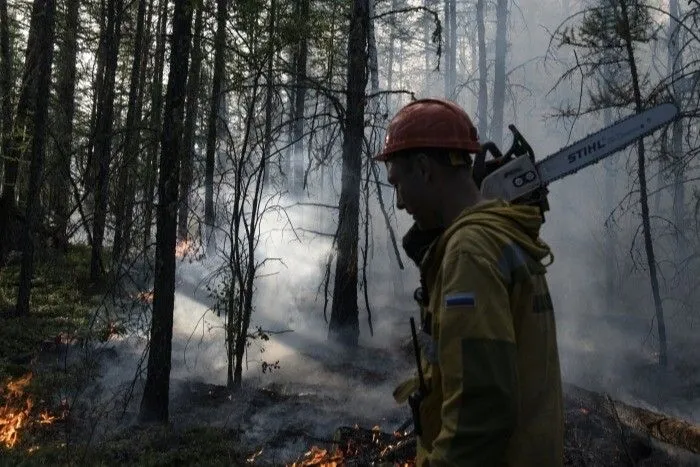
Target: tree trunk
{"type": "Point", "coordinates": [300, 61]}
{"type": "Point", "coordinates": [103, 138]}
{"type": "Point", "coordinates": [643, 197]}
{"type": "Point", "coordinates": [214, 107]}
{"type": "Point", "coordinates": [675, 63]}
{"type": "Point", "coordinates": [133, 117]}
{"type": "Point", "coordinates": [15, 135]}
{"type": "Point", "coordinates": [7, 198]}
{"type": "Point", "coordinates": [499, 73]}
{"type": "Point", "coordinates": [65, 90]}
{"type": "Point", "coordinates": [154, 405]}
{"type": "Point", "coordinates": [483, 104]}
{"type": "Point", "coordinates": [344, 323]}
{"type": "Point", "coordinates": [190, 124]}
{"type": "Point", "coordinates": [155, 123]}
{"type": "Point", "coordinates": [32, 215]}
{"type": "Point", "coordinates": [451, 48]}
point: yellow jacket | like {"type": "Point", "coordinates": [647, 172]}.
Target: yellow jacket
{"type": "Point", "coordinates": [489, 347]}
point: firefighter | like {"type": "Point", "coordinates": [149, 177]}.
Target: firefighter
{"type": "Point", "coordinates": [488, 340]}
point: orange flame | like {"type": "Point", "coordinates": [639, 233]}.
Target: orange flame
{"type": "Point", "coordinates": [15, 413]}
{"type": "Point", "coordinates": [184, 248]}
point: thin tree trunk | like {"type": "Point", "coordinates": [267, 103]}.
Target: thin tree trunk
{"type": "Point", "coordinates": [133, 117]}
{"type": "Point", "coordinates": [344, 324]}
{"type": "Point", "coordinates": [301, 59]}
{"type": "Point", "coordinates": [103, 141]}
{"type": "Point", "coordinates": [483, 104]}
{"type": "Point", "coordinates": [154, 405]}
{"type": "Point", "coordinates": [214, 107]}
{"type": "Point", "coordinates": [44, 61]}
{"type": "Point", "coordinates": [675, 63]}
{"type": "Point", "coordinates": [641, 162]}
{"type": "Point", "coordinates": [499, 74]}
{"type": "Point", "coordinates": [155, 123]}
{"type": "Point", "coordinates": [65, 90]}
{"type": "Point", "coordinates": [451, 55]}
{"type": "Point", "coordinates": [190, 124]}
{"type": "Point", "coordinates": [7, 196]}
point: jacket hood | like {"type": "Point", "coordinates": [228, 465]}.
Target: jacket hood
{"type": "Point", "coordinates": [521, 224]}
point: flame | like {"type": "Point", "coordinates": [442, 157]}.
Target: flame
{"type": "Point", "coordinates": [184, 248]}
{"type": "Point", "coordinates": [251, 459]}
{"type": "Point", "coordinates": [15, 413]}
{"type": "Point", "coordinates": [584, 410]}
{"type": "Point", "coordinates": [318, 457]}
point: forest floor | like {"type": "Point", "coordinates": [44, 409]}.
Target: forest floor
{"type": "Point", "coordinates": [80, 403]}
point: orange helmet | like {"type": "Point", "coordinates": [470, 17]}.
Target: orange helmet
{"type": "Point", "coordinates": [430, 123]}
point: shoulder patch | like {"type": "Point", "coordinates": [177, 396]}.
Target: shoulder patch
{"type": "Point", "coordinates": [467, 299]}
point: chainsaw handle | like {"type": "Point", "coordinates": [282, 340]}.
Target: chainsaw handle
{"type": "Point", "coordinates": [520, 146]}
{"type": "Point", "coordinates": [483, 168]}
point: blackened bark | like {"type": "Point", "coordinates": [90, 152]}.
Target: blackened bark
{"type": "Point", "coordinates": [103, 137]}
{"type": "Point", "coordinates": [214, 108]}
{"type": "Point", "coordinates": [15, 142]}
{"type": "Point", "coordinates": [643, 195]}
{"type": "Point", "coordinates": [300, 62]}
{"type": "Point", "coordinates": [451, 48]}
{"type": "Point", "coordinates": [499, 73]}
{"type": "Point", "coordinates": [65, 90]}
{"type": "Point", "coordinates": [344, 324]}
{"type": "Point", "coordinates": [155, 122]}
{"type": "Point", "coordinates": [133, 116]}
{"type": "Point", "coordinates": [483, 104]}
{"type": "Point", "coordinates": [675, 64]}
{"type": "Point", "coordinates": [6, 199]}
{"type": "Point", "coordinates": [190, 124]}
{"type": "Point", "coordinates": [44, 57]}
{"type": "Point", "coordinates": [154, 405]}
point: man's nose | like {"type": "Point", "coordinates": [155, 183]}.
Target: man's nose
{"type": "Point", "coordinates": [399, 201]}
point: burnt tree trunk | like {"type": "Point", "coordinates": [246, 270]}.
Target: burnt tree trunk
{"type": "Point", "coordinates": [133, 117]}
{"type": "Point", "coordinates": [483, 104]}
{"type": "Point", "coordinates": [155, 123]}
{"type": "Point", "coordinates": [6, 199]}
{"type": "Point", "coordinates": [643, 195]}
{"type": "Point", "coordinates": [32, 215]}
{"type": "Point", "coordinates": [344, 324]}
{"type": "Point", "coordinates": [103, 137]}
{"type": "Point", "coordinates": [214, 108]}
{"type": "Point", "coordinates": [65, 90]}
{"type": "Point", "coordinates": [154, 405]}
{"type": "Point", "coordinates": [190, 123]}
{"type": "Point", "coordinates": [499, 73]}
{"type": "Point", "coordinates": [300, 61]}
{"type": "Point", "coordinates": [450, 48]}
{"type": "Point", "coordinates": [14, 142]}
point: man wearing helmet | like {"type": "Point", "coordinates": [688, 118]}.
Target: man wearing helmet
{"type": "Point", "coordinates": [489, 351]}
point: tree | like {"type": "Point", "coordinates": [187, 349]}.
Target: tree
{"type": "Point", "coordinates": [190, 121]}
{"type": "Point", "coordinates": [212, 120]}
{"type": "Point", "coordinates": [45, 9]}
{"type": "Point", "coordinates": [482, 107]}
{"type": "Point", "coordinates": [111, 36]}
{"type": "Point", "coordinates": [450, 48]}
{"type": "Point", "coordinates": [125, 194]}
{"type": "Point", "coordinates": [65, 93]}
{"type": "Point", "coordinates": [499, 73]}
{"type": "Point", "coordinates": [154, 405]}
{"type": "Point", "coordinates": [344, 323]}
{"type": "Point", "coordinates": [608, 35]}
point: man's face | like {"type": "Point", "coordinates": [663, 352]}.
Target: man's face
{"type": "Point", "coordinates": [411, 178]}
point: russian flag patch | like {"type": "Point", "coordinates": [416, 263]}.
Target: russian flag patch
{"type": "Point", "coordinates": [467, 299]}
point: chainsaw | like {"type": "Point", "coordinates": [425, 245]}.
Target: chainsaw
{"type": "Point", "coordinates": [516, 177]}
